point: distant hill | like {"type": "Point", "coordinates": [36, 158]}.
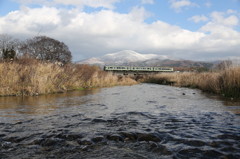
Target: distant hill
{"type": "Point", "coordinates": [122, 57]}
{"type": "Point", "coordinates": [132, 58]}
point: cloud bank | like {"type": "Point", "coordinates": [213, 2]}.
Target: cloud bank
{"type": "Point", "coordinates": [100, 32]}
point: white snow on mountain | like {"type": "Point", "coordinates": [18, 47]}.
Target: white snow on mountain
{"type": "Point", "coordinates": [93, 60]}
{"type": "Point", "coordinates": [125, 56]}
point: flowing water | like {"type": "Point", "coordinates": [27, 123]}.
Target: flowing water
{"type": "Point", "coordinates": [128, 122]}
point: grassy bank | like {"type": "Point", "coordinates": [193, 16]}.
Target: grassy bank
{"type": "Point", "coordinates": [31, 77]}
{"type": "Point", "coordinates": [225, 82]}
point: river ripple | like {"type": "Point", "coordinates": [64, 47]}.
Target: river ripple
{"type": "Point", "coordinates": [140, 121]}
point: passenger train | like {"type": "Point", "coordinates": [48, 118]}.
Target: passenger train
{"type": "Point", "coordinates": [138, 69]}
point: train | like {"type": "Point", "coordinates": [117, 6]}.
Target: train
{"type": "Point", "coordinates": [138, 69]}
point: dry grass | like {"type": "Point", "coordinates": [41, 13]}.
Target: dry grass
{"type": "Point", "coordinates": [230, 82]}
{"type": "Point", "coordinates": [31, 77]}
{"type": "Point", "coordinates": [226, 82]}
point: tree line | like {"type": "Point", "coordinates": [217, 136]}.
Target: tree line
{"type": "Point", "coordinates": [39, 47]}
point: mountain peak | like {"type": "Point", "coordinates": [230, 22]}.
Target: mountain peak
{"type": "Point", "coordinates": [123, 57]}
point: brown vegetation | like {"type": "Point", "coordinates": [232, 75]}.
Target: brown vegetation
{"type": "Point", "coordinates": [43, 65]}
{"type": "Point", "coordinates": [27, 76]}
{"type": "Point", "coordinates": [225, 82]}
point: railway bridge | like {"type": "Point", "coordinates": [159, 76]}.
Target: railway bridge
{"type": "Point", "coordinates": [135, 70]}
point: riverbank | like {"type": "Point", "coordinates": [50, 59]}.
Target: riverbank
{"type": "Point", "coordinates": [225, 82]}
{"type": "Point", "coordinates": [28, 77]}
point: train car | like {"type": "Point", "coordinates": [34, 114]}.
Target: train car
{"type": "Point", "coordinates": [138, 69]}
{"type": "Point", "coordinates": [163, 69]}
{"type": "Point", "coordinates": [117, 68]}
{"type": "Point", "coordinates": [144, 69]}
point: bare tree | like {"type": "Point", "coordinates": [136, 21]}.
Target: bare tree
{"type": "Point", "coordinates": [45, 48]}
{"type": "Point", "coordinates": [8, 46]}
{"type": "Point", "coordinates": [224, 65]}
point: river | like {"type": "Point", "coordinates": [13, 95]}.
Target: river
{"type": "Point", "coordinates": [125, 122]}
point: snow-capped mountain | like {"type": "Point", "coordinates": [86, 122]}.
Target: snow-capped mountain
{"type": "Point", "coordinates": [123, 57]}
{"type": "Point", "coordinates": [132, 58]}
{"type": "Point", "coordinates": [93, 60]}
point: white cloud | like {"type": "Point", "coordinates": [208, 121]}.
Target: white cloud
{"type": "Point", "coordinates": [139, 13]}
{"type": "Point", "coordinates": [221, 19]}
{"type": "Point", "coordinates": [178, 5]}
{"type": "Point", "coordinates": [221, 37]}
{"type": "Point", "coordinates": [98, 33]}
{"type": "Point", "coordinates": [199, 18]}
{"type": "Point", "coordinates": [25, 21]}
{"type": "Point", "coordinates": [147, 1]}
{"type": "Point", "coordinates": [230, 11]}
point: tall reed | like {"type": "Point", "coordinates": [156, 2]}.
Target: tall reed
{"type": "Point", "coordinates": [31, 77]}
{"type": "Point", "coordinates": [225, 82]}
{"type": "Point", "coordinates": [230, 82]}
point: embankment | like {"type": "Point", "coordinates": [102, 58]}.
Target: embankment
{"type": "Point", "coordinates": [31, 77]}
{"type": "Point", "coordinates": [225, 82]}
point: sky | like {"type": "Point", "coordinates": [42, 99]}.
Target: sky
{"type": "Point", "coordinates": [186, 29]}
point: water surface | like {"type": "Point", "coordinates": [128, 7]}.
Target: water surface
{"type": "Point", "coordinates": [140, 121]}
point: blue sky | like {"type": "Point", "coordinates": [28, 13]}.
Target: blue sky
{"type": "Point", "coordinates": [189, 29]}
